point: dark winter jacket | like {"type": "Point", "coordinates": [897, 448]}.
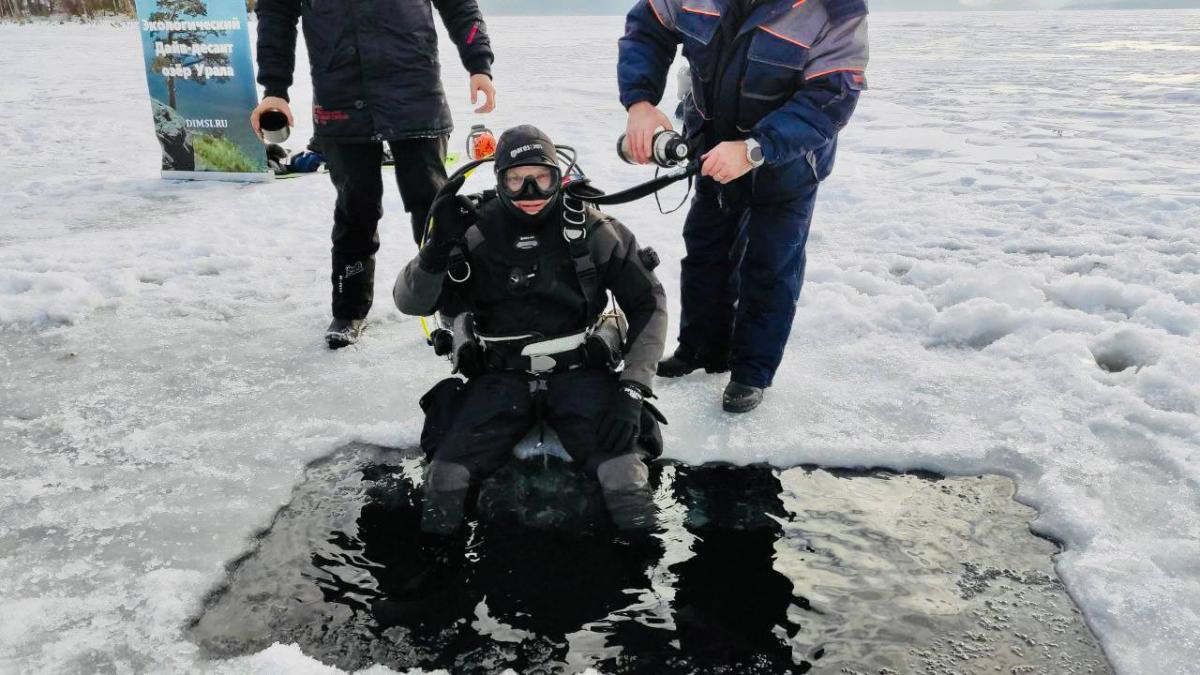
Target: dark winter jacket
{"type": "Point", "coordinates": [544, 295]}
{"type": "Point", "coordinates": [374, 63]}
{"type": "Point", "coordinates": [785, 73]}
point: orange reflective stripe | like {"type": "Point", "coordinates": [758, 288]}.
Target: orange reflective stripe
{"type": "Point", "coordinates": [836, 70]}
{"type": "Point", "coordinates": [798, 3]}
{"type": "Point", "coordinates": [784, 37]}
{"type": "Point", "coordinates": [705, 12]}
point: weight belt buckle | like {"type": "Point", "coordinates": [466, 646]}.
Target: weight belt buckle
{"type": "Point", "coordinates": [541, 363]}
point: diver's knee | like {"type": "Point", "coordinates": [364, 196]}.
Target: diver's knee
{"type": "Point", "coordinates": [625, 472]}
{"type": "Point", "coordinates": [446, 485]}
{"type": "Point", "coordinates": [444, 476]}
{"type": "Point", "coordinates": [625, 483]}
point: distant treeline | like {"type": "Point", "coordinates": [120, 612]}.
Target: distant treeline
{"type": "Point", "coordinates": [83, 8]}
{"type": "Point", "coordinates": [92, 8]}
{"type": "Point", "coordinates": [17, 9]}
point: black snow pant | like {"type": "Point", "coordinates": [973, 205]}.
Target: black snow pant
{"type": "Point", "coordinates": [355, 171]}
{"type": "Point", "coordinates": [493, 411]}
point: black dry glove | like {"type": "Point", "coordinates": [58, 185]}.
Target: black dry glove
{"type": "Point", "coordinates": [451, 217]}
{"type": "Point", "coordinates": [469, 360]}
{"type": "Point", "coordinates": [622, 419]}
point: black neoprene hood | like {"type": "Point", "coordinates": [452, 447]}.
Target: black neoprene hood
{"type": "Point", "coordinates": [524, 145]}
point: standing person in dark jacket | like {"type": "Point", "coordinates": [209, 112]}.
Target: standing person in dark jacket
{"type": "Point", "coordinates": [376, 79]}
{"type": "Point", "coordinates": [773, 82]}
{"type": "Point", "coordinates": [533, 272]}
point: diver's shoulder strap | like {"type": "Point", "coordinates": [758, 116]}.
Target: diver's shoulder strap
{"type": "Point", "coordinates": [579, 221]}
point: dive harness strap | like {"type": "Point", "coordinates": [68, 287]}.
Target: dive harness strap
{"type": "Point", "coordinates": [575, 229]}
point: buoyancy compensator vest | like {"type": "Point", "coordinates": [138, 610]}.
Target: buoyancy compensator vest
{"type": "Point", "coordinates": [532, 298]}
{"type": "Point", "coordinates": [599, 334]}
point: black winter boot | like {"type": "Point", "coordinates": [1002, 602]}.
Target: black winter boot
{"type": "Point", "coordinates": [343, 332]}
{"type": "Point", "coordinates": [740, 398]}
{"type": "Point", "coordinates": [685, 360]}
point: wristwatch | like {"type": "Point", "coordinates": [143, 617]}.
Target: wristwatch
{"type": "Point", "coordinates": [754, 153]}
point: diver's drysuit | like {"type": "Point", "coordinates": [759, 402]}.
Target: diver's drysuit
{"type": "Point", "coordinates": [527, 295]}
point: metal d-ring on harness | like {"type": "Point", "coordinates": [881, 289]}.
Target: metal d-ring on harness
{"type": "Point", "coordinates": [458, 260]}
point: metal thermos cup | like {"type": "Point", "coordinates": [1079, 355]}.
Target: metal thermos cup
{"type": "Point", "coordinates": [274, 125]}
{"type": "Point", "coordinates": [623, 149]}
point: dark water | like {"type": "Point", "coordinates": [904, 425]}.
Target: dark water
{"type": "Point", "coordinates": [756, 570]}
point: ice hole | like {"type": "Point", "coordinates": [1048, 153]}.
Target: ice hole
{"type": "Point", "coordinates": [754, 570]}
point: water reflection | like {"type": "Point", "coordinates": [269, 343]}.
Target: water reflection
{"type": "Point", "coordinates": [730, 607]}
{"type": "Point", "coordinates": [754, 570]}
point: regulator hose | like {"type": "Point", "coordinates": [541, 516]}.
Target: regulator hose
{"type": "Point", "coordinates": [588, 194]}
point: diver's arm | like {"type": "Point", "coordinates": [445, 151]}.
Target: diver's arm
{"type": "Point", "coordinates": [418, 290]}
{"type": "Point", "coordinates": [640, 296]}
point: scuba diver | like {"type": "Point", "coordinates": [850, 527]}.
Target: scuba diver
{"type": "Point", "coordinates": [525, 272]}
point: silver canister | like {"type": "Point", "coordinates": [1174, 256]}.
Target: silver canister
{"type": "Point", "coordinates": [274, 125]}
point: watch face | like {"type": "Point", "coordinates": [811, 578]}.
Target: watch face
{"type": "Point", "coordinates": [756, 154]}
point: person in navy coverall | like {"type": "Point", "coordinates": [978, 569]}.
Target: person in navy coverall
{"type": "Point", "coordinates": [773, 82]}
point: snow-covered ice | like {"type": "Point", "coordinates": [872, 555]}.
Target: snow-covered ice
{"type": "Point", "coordinates": [1004, 276]}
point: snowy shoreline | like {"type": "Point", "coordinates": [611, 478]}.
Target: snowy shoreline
{"type": "Point", "coordinates": [1004, 277]}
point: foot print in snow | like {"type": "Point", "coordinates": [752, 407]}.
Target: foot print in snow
{"type": "Point", "coordinates": [755, 570]}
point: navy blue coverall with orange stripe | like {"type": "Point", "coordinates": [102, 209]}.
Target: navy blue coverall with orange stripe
{"type": "Point", "coordinates": [787, 74]}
